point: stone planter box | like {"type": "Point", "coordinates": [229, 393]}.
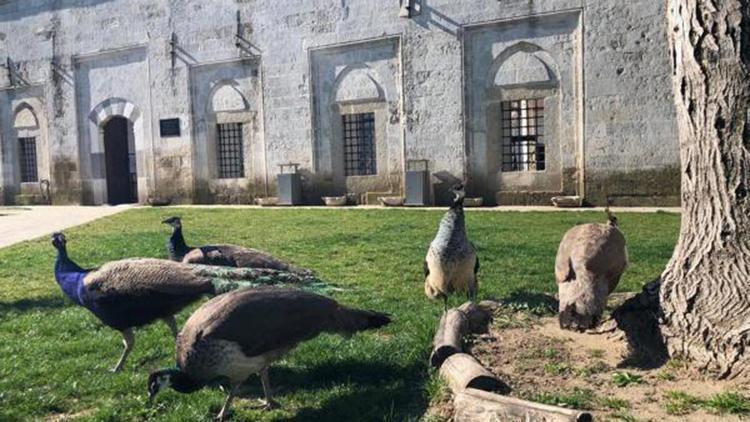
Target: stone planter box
{"type": "Point", "coordinates": [392, 201]}
{"type": "Point", "coordinates": [473, 202]}
{"type": "Point", "coordinates": [159, 202]}
{"type": "Point", "coordinates": [334, 201]}
{"type": "Point", "coordinates": [567, 201]}
{"type": "Point", "coordinates": [267, 202]}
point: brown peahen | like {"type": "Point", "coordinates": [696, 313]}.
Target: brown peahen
{"type": "Point", "coordinates": [221, 255]}
{"type": "Point", "coordinates": [236, 335]}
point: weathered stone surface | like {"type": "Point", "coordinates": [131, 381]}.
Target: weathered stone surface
{"type": "Point", "coordinates": [289, 69]}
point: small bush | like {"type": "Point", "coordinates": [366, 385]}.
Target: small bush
{"type": "Point", "coordinates": [679, 403]}
{"type": "Point", "coordinates": [613, 403]}
{"type": "Point", "coordinates": [729, 402]}
{"type": "Point", "coordinates": [579, 398]}
{"type": "Point", "coordinates": [557, 368]}
{"type": "Point", "coordinates": [623, 379]}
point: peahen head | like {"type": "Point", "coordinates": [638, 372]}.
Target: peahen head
{"type": "Point", "coordinates": [174, 222]}
{"type": "Point", "coordinates": [159, 380]}
{"type": "Point", "coordinates": [58, 241]}
{"type": "Point", "coordinates": [459, 193]}
{"type": "Point", "coordinates": [173, 378]}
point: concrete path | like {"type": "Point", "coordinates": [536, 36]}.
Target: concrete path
{"type": "Point", "coordinates": [18, 224]}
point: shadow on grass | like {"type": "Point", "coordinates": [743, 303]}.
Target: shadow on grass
{"type": "Point", "coordinates": [27, 305]}
{"type": "Point", "coordinates": [375, 390]}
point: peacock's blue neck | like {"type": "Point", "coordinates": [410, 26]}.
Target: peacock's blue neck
{"type": "Point", "coordinates": [69, 277]}
{"type": "Point", "coordinates": [176, 245]}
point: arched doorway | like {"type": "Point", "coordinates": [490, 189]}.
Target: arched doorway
{"type": "Point", "coordinates": [120, 163]}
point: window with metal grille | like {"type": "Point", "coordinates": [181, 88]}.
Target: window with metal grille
{"type": "Point", "coordinates": [231, 158]}
{"type": "Point", "coordinates": [523, 135]}
{"type": "Point", "coordinates": [27, 153]}
{"type": "Point", "coordinates": [359, 144]}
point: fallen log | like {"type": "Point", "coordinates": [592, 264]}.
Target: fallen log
{"type": "Point", "coordinates": [478, 318]}
{"type": "Point", "coordinates": [472, 405]}
{"type": "Point", "coordinates": [449, 336]}
{"type": "Point", "coordinates": [464, 371]}
{"type": "Point", "coordinates": [454, 325]}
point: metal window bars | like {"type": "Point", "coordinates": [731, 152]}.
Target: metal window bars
{"type": "Point", "coordinates": [523, 135]}
{"type": "Point", "coordinates": [231, 157]}
{"type": "Point", "coordinates": [359, 144]}
{"type": "Point", "coordinates": [27, 154]}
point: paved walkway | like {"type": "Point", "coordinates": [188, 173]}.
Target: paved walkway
{"type": "Point", "coordinates": [18, 224]}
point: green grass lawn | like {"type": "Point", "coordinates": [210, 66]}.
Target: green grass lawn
{"type": "Point", "coordinates": [54, 357]}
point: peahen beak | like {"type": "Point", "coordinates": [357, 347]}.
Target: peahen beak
{"type": "Point", "coordinates": [151, 395]}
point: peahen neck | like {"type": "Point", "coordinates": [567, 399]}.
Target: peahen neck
{"type": "Point", "coordinates": [183, 383]}
{"type": "Point", "coordinates": [452, 227]}
{"type": "Point", "coordinates": [176, 245]}
{"type": "Point", "coordinates": [456, 213]}
{"type": "Point", "coordinates": [69, 275]}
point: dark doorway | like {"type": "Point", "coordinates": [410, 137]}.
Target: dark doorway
{"type": "Point", "coordinates": [119, 151]}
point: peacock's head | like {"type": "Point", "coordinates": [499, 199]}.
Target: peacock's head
{"type": "Point", "coordinates": [459, 192]}
{"type": "Point", "coordinates": [173, 221]}
{"type": "Point", "coordinates": [58, 240]}
{"type": "Point", "coordinates": [159, 380]}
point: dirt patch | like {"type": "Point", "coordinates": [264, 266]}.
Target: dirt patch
{"type": "Point", "coordinates": [587, 371]}
{"type": "Point", "coordinates": [64, 417]}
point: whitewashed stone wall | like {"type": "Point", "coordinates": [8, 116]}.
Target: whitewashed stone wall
{"type": "Point", "coordinates": [614, 134]}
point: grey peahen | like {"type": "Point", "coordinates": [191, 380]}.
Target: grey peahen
{"type": "Point", "coordinates": [590, 261]}
{"type": "Point", "coordinates": [134, 292]}
{"type": "Point", "coordinates": [452, 262]}
{"type": "Point", "coordinates": [236, 335]}
{"type": "Point", "coordinates": [221, 255]}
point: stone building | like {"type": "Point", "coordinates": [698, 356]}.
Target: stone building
{"type": "Point", "coordinates": [112, 101]}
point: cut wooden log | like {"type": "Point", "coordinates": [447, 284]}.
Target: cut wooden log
{"type": "Point", "coordinates": [454, 325]}
{"type": "Point", "coordinates": [472, 405]}
{"type": "Point", "coordinates": [449, 336]}
{"type": "Point", "coordinates": [463, 371]}
{"type": "Point", "coordinates": [478, 318]}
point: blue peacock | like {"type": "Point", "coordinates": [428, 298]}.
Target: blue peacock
{"type": "Point", "coordinates": [131, 293]}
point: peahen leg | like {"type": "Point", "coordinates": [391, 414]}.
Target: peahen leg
{"type": "Point", "coordinates": [270, 403]}
{"type": "Point", "coordinates": [172, 324]}
{"type": "Point", "coordinates": [445, 303]}
{"type": "Point", "coordinates": [225, 409]}
{"type": "Point", "coordinates": [128, 339]}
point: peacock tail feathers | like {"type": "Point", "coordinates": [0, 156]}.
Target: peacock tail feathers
{"type": "Point", "coordinates": [227, 279]}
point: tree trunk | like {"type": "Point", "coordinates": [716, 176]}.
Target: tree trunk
{"type": "Point", "coordinates": [705, 290]}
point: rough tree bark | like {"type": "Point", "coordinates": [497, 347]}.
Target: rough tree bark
{"type": "Point", "coordinates": [705, 290]}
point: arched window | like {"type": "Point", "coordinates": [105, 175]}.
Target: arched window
{"type": "Point", "coordinates": [26, 126]}
{"type": "Point", "coordinates": [358, 98]}
{"type": "Point", "coordinates": [523, 82]}
{"type": "Point", "coordinates": [230, 112]}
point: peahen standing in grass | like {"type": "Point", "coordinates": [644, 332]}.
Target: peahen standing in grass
{"type": "Point", "coordinates": [236, 335]}
{"type": "Point", "coordinates": [135, 292]}
{"type": "Point", "coordinates": [452, 262]}
{"type": "Point", "coordinates": [221, 255]}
